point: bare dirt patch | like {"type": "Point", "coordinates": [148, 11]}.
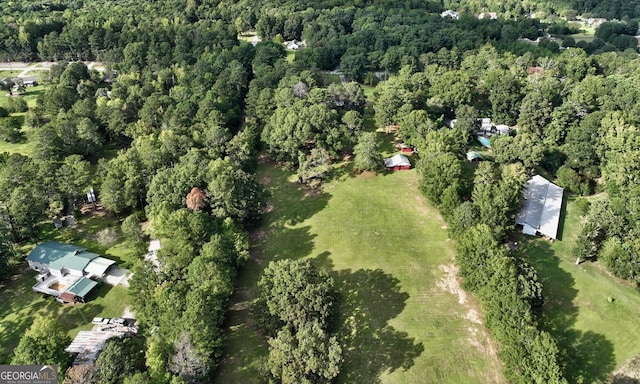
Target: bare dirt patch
{"type": "Point", "coordinates": [478, 335]}
{"type": "Point", "coordinates": [263, 158]}
{"type": "Point", "coordinates": [367, 174]}
{"type": "Point", "coordinates": [128, 313]}
{"type": "Point", "coordinates": [269, 207]}
{"type": "Point", "coordinates": [450, 283]}
{"type": "Point", "coordinates": [265, 180]}
{"type": "Point", "coordinates": [99, 211]}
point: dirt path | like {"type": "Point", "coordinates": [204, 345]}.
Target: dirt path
{"type": "Point", "coordinates": [478, 335]}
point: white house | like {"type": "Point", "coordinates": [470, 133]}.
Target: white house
{"type": "Point", "coordinates": [450, 13]}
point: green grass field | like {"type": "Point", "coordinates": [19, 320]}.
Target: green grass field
{"type": "Point", "coordinates": [331, 79]}
{"type": "Point", "coordinates": [291, 56]}
{"type": "Point", "coordinates": [400, 315]}
{"type": "Point", "coordinates": [368, 91]}
{"type": "Point", "coordinates": [11, 73]}
{"type": "Point", "coordinates": [586, 34]}
{"type": "Point", "coordinates": [596, 335]}
{"type": "Point", "coordinates": [85, 235]}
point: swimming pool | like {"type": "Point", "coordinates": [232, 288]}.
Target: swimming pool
{"type": "Point", "coordinates": [484, 141]}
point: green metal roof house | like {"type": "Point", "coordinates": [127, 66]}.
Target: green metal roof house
{"type": "Point", "coordinates": [48, 252]}
{"type": "Point", "coordinates": [73, 264]}
{"type": "Point", "coordinates": [67, 270]}
{"type": "Point", "coordinates": [65, 259]}
{"type": "Point", "coordinates": [82, 288]}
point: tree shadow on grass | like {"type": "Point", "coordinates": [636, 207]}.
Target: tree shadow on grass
{"type": "Point", "coordinates": [587, 357]}
{"type": "Point", "coordinates": [365, 302]}
{"type": "Point", "coordinates": [387, 143]}
{"type": "Point", "coordinates": [290, 202]}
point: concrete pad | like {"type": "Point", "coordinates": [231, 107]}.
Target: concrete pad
{"type": "Point", "coordinates": [117, 276]}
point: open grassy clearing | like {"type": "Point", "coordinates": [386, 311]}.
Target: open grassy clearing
{"type": "Point", "coordinates": [24, 147]}
{"type": "Point", "coordinates": [30, 95]}
{"type": "Point", "coordinates": [331, 79]}
{"type": "Point", "coordinates": [596, 335]}
{"type": "Point", "coordinates": [586, 33]}
{"type": "Point", "coordinates": [247, 36]}
{"type": "Point", "coordinates": [400, 315]}
{"type": "Point", "coordinates": [368, 91]}
{"type": "Point", "coordinates": [37, 72]}
{"type": "Point", "coordinates": [291, 55]}
{"type": "Point", "coordinates": [85, 235]}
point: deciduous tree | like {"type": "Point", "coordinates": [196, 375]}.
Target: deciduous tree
{"type": "Point", "coordinates": [305, 356]}
{"type": "Point", "coordinates": [43, 343]}
{"type": "Point", "coordinates": [367, 153]}
{"type": "Point", "coordinates": [296, 292]}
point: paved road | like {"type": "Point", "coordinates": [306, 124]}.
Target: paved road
{"type": "Point", "coordinates": [25, 68]}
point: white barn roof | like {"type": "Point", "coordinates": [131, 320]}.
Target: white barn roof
{"type": "Point", "coordinates": [98, 266]}
{"type": "Point", "coordinates": [396, 161]}
{"type": "Point", "coordinates": [540, 211]}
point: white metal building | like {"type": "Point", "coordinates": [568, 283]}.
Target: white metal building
{"type": "Point", "coordinates": [540, 210]}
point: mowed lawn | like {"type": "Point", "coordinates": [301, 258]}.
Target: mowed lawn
{"type": "Point", "coordinates": [400, 315]}
{"type": "Point", "coordinates": [597, 335]}
{"type": "Point", "coordinates": [24, 147]}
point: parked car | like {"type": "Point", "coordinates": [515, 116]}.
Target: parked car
{"type": "Point", "coordinates": [100, 320]}
{"type": "Point", "coordinates": [118, 321]}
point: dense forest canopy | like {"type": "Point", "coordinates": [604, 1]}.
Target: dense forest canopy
{"type": "Point", "coordinates": [169, 133]}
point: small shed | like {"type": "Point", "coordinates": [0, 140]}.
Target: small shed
{"type": "Point", "coordinates": [397, 163]}
{"type": "Point", "coordinates": [404, 148]}
{"type": "Point", "coordinates": [67, 297]}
